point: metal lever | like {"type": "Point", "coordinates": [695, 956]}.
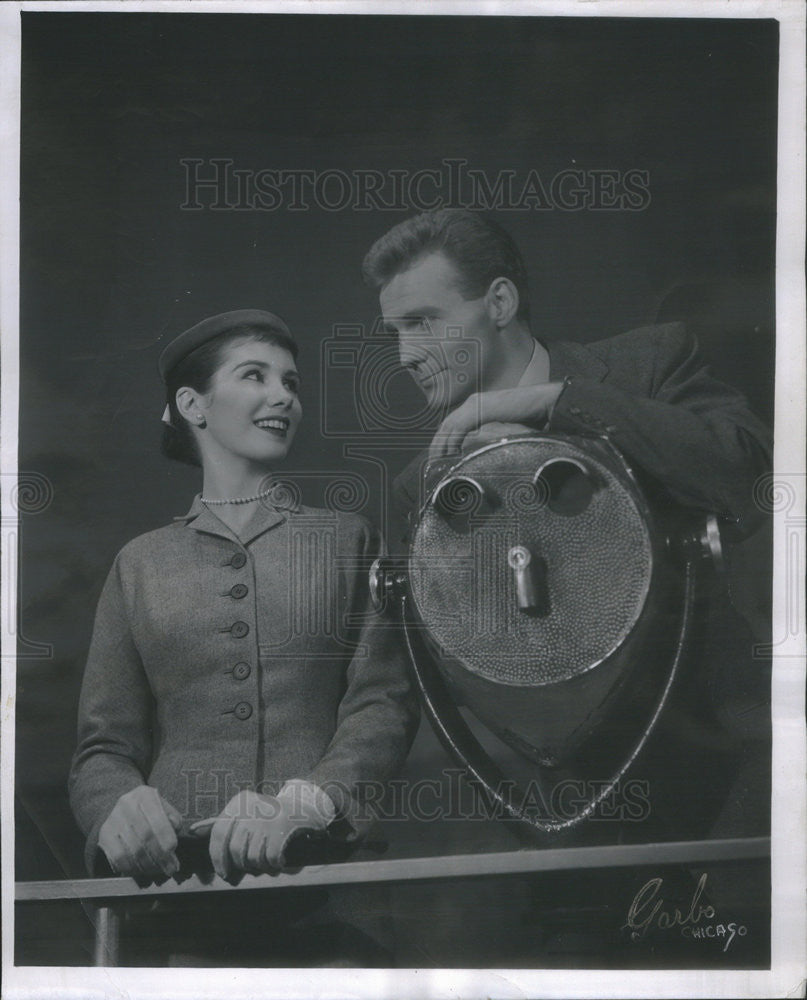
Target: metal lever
{"type": "Point", "coordinates": [712, 543]}
{"type": "Point", "coordinates": [531, 589]}
{"type": "Point", "coordinates": [387, 578]}
{"type": "Point", "coordinates": [700, 541]}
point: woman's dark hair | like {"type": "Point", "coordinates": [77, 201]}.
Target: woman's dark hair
{"type": "Point", "coordinates": [478, 247]}
{"type": "Point", "coordinates": [196, 370]}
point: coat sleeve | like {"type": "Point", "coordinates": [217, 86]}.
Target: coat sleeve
{"type": "Point", "coordinates": [403, 505]}
{"type": "Point", "coordinates": [114, 719]}
{"type": "Point", "coordinates": [378, 713]}
{"type": "Point", "coordinates": [690, 432]}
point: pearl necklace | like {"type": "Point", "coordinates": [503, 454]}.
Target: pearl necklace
{"type": "Point", "coordinates": [258, 496]}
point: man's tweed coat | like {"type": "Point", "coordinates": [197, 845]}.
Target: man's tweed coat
{"type": "Point", "coordinates": [651, 393]}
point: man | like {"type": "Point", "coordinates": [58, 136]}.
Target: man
{"type": "Point", "coordinates": [453, 289]}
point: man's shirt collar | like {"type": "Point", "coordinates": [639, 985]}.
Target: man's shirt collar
{"type": "Point", "coordinates": [537, 370]}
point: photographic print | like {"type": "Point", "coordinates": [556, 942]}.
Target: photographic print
{"type": "Point", "coordinates": [403, 500]}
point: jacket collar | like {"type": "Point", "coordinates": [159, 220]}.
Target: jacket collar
{"type": "Point", "coordinates": [271, 512]}
{"type": "Point", "coordinates": [567, 358]}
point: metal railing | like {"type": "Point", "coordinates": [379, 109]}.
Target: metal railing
{"type": "Point", "coordinates": [109, 895]}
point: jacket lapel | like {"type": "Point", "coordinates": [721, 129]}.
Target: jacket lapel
{"type": "Point", "coordinates": [264, 518]}
{"type": "Point", "coordinates": [202, 519]}
{"type": "Point", "coordinates": [567, 358]}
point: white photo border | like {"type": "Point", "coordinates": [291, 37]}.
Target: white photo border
{"type": "Point", "coordinates": [789, 928]}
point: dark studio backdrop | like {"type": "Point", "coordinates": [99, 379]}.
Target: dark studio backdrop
{"type": "Point", "coordinates": [113, 265]}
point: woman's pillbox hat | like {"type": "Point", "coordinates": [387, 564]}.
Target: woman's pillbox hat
{"type": "Point", "coordinates": [181, 346]}
{"type": "Point", "coordinates": [213, 327]}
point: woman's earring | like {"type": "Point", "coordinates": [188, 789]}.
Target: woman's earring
{"type": "Point", "coordinates": [201, 420]}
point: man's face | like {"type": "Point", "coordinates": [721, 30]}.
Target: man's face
{"type": "Point", "coordinates": [447, 343]}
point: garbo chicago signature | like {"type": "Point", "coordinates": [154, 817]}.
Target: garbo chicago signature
{"type": "Point", "coordinates": [647, 909]}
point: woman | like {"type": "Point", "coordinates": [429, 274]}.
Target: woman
{"type": "Point", "coordinates": [236, 674]}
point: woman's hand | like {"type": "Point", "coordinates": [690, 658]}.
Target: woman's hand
{"type": "Point", "coordinates": [253, 831]}
{"type": "Point", "coordinates": [139, 837]}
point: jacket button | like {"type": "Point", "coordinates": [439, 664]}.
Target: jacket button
{"type": "Point", "coordinates": [239, 590]}
{"type": "Point", "coordinates": [238, 560]}
{"type": "Point", "coordinates": [241, 671]}
{"type": "Point", "coordinates": [243, 710]}
{"type": "Point", "coordinates": [239, 630]}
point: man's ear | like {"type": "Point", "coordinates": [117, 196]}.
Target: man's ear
{"type": "Point", "coordinates": [502, 301]}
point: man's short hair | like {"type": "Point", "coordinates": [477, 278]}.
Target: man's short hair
{"type": "Point", "coordinates": [478, 247]}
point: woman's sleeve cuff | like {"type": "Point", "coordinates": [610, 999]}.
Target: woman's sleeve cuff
{"type": "Point", "coordinates": [308, 802]}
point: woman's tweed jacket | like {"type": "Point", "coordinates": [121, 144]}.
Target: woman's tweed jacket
{"type": "Point", "coordinates": [218, 664]}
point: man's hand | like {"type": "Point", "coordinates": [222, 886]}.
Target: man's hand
{"type": "Point", "coordinates": [139, 837]}
{"type": "Point", "coordinates": [527, 407]}
{"type": "Point", "coordinates": [253, 831]}
{"type": "Point", "coordinates": [494, 431]}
